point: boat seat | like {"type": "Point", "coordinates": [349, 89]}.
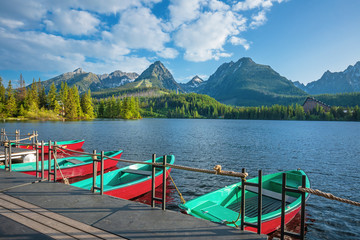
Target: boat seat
{"type": "Point", "coordinates": [289, 183]}
{"type": "Point", "coordinates": [135, 171]}
{"type": "Point", "coordinates": [74, 161]}
{"type": "Point", "coordinates": [271, 194]}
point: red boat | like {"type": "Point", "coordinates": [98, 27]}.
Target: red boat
{"type": "Point", "coordinates": [70, 166]}
{"type": "Point", "coordinates": [129, 182]}
{"type": "Point", "coordinates": [73, 145]}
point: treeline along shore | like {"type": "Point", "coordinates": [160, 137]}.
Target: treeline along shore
{"type": "Point", "coordinates": [66, 103]}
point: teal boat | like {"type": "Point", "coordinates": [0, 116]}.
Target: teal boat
{"type": "Point", "coordinates": [223, 205]}
{"type": "Point", "coordinates": [131, 181]}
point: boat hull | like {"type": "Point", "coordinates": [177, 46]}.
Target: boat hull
{"type": "Point", "coordinates": [272, 225]}
{"type": "Point", "coordinates": [139, 189]}
{"type": "Point", "coordinates": [77, 171]}
{"type": "Point", "coordinates": [72, 145]}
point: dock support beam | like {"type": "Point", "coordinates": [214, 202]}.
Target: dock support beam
{"type": "Point", "coordinates": [242, 207]}
{"type": "Point", "coordinates": [95, 167]}
{"type": "Point", "coordinates": [153, 197]}
{"type": "Point", "coordinates": [285, 189]}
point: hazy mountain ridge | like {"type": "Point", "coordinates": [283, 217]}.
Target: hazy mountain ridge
{"type": "Point", "coordinates": [346, 81]}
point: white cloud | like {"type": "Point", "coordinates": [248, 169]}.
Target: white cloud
{"type": "Point", "coordinates": [239, 41]}
{"type": "Point", "coordinates": [259, 19]}
{"type": "Point", "coordinates": [182, 11]}
{"type": "Point", "coordinates": [204, 39]}
{"type": "Point", "coordinates": [251, 4]}
{"type": "Point", "coordinates": [72, 22]}
{"type": "Point", "coordinates": [138, 28]}
{"type": "Point", "coordinates": [10, 23]}
{"type": "Point", "coordinates": [169, 53]}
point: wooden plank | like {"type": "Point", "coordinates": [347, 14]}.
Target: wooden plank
{"type": "Point", "coordinates": [31, 215]}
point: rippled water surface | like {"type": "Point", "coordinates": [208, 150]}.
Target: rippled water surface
{"type": "Point", "coordinates": [329, 152]}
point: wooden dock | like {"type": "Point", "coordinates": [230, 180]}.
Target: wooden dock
{"type": "Point", "coordinates": [30, 209]}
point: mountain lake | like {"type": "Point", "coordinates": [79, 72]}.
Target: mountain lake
{"type": "Point", "coordinates": [329, 152]}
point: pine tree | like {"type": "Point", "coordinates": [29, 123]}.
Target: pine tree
{"type": "Point", "coordinates": [10, 106]}
{"type": "Point", "coordinates": [86, 105]}
{"type": "Point", "coordinates": [52, 99]}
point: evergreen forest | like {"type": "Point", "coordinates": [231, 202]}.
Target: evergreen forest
{"type": "Point", "coordinates": [33, 102]}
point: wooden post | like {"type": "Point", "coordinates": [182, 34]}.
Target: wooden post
{"type": "Point", "coordinates": [49, 161]}
{"type": "Point", "coordinates": [102, 173]}
{"type": "Point", "coordinates": [303, 199]}
{"type": "Point", "coordinates": [164, 184]}
{"type": "Point", "coordinates": [42, 159]}
{"type": "Point", "coordinates": [10, 160]}
{"type": "Point", "coordinates": [37, 157]}
{"type": "Point", "coordinates": [94, 171]}
{"type": "Point", "coordinates": [6, 155]}
{"type": "Point", "coordinates": [153, 171]}
{"type": "Point", "coordinates": [55, 160]}
{"type": "Point", "coordinates": [242, 208]}
{"type": "Point", "coordinates": [283, 203]}
{"type": "Point", "coordinates": [259, 202]}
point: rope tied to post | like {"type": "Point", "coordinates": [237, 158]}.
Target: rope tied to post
{"type": "Point", "coordinates": [217, 169]}
{"type": "Point", "coordinates": [328, 196]}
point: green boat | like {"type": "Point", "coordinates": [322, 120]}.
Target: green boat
{"type": "Point", "coordinates": [223, 205]}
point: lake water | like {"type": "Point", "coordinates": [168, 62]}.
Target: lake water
{"type": "Point", "coordinates": [329, 152]}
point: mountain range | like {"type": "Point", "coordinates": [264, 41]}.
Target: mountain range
{"type": "Point", "coordinates": [337, 82]}
{"type": "Point", "coordinates": [241, 83]}
{"type": "Point", "coordinates": [87, 80]}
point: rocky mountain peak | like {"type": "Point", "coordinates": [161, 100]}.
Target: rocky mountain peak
{"type": "Point", "coordinates": [78, 71]}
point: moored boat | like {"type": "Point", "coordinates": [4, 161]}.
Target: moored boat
{"type": "Point", "coordinates": [223, 205]}
{"type": "Point", "coordinates": [129, 182]}
{"type": "Point", "coordinates": [69, 166]}
{"type": "Point", "coordinates": [72, 145]}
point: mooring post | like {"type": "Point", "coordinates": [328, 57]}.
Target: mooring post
{"type": "Point", "coordinates": [49, 161]}
{"type": "Point", "coordinates": [153, 171]}
{"type": "Point", "coordinates": [55, 160]}
{"type": "Point", "coordinates": [94, 158]}
{"type": "Point", "coordinates": [6, 148]}
{"type": "Point", "coordinates": [102, 173]}
{"type": "Point", "coordinates": [10, 159]}
{"type": "Point", "coordinates": [42, 159]}
{"type": "Point", "coordinates": [303, 199]}
{"type": "Point", "coordinates": [36, 135]}
{"type": "Point", "coordinates": [33, 139]}
{"type": "Point", "coordinates": [259, 202]}
{"type": "Point", "coordinates": [164, 184]}
{"type": "Point", "coordinates": [37, 158]}
{"type": "Point", "coordinates": [283, 203]}
{"type": "Point", "coordinates": [242, 207]}
{"type": "Point", "coordinates": [1, 136]}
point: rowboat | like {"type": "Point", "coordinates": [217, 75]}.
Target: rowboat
{"type": "Point", "coordinates": [69, 166]}
{"type": "Point", "coordinates": [72, 145]}
{"type": "Point", "coordinates": [129, 182]}
{"type": "Point", "coordinates": [223, 205]}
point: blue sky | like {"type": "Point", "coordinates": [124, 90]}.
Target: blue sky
{"type": "Point", "coordinates": [300, 39]}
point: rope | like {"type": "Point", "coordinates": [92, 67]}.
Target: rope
{"type": "Point", "coordinates": [328, 195]}
{"type": "Point", "coordinates": [216, 172]}
{"type": "Point", "coordinates": [181, 197]}
{"type": "Point", "coordinates": [23, 139]}
{"type": "Point", "coordinates": [66, 181]}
